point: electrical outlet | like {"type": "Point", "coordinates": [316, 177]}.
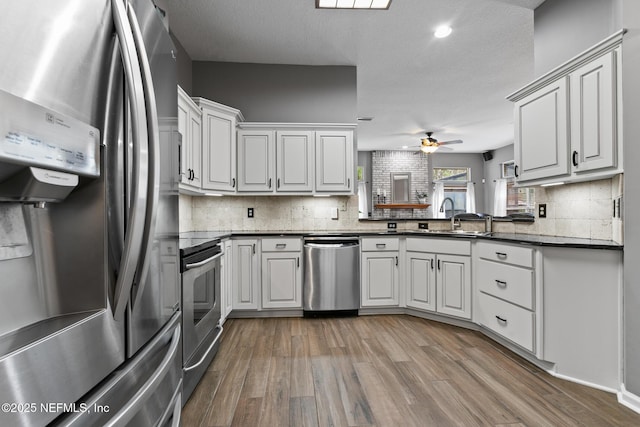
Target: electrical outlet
{"type": "Point", "coordinates": [542, 210]}
{"type": "Point", "coordinates": [392, 225]}
{"type": "Point", "coordinates": [423, 225]}
{"type": "Point", "coordinates": [250, 212]}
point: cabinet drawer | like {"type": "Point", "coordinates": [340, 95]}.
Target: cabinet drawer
{"type": "Point", "coordinates": [512, 322]}
{"type": "Point", "coordinates": [380, 244]}
{"type": "Point", "coordinates": [441, 246]}
{"type": "Point", "coordinates": [281, 245]}
{"type": "Point", "coordinates": [513, 284]}
{"type": "Point", "coordinates": [515, 255]}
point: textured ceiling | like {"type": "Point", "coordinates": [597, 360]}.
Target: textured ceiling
{"type": "Point", "coordinates": [408, 81]}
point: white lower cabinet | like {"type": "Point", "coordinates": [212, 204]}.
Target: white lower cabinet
{"type": "Point", "coordinates": [583, 314]}
{"type": "Point", "coordinates": [379, 272]}
{"type": "Point", "coordinates": [507, 301]}
{"type": "Point", "coordinates": [281, 273]}
{"type": "Point", "coordinates": [439, 282]}
{"type": "Point", "coordinates": [245, 275]}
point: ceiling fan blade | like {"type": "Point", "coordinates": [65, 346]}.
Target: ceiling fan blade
{"type": "Point", "coordinates": [455, 141]}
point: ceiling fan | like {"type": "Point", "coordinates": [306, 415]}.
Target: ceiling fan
{"type": "Point", "coordinates": [429, 145]}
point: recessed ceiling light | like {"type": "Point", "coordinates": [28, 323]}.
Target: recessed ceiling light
{"type": "Point", "coordinates": [442, 31]}
{"type": "Point", "coordinates": [353, 4]}
{"type": "Point", "coordinates": [404, 147]}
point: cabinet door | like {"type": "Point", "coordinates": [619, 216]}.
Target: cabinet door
{"type": "Point", "coordinates": [541, 133]}
{"type": "Point", "coordinates": [281, 280]}
{"type": "Point", "coordinates": [593, 114]}
{"type": "Point", "coordinates": [294, 160]}
{"type": "Point", "coordinates": [255, 161]}
{"type": "Point", "coordinates": [379, 279]}
{"type": "Point", "coordinates": [334, 161]}
{"type": "Point", "coordinates": [190, 127]}
{"type": "Point", "coordinates": [421, 281]}
{"type": "Point", "coordinates": [454, 285]}
{"type": "Point", "coordinates": [245, 275]}
{"type": "Point", "coordinates": [195, 148]}
{"type": "Point", "coordinates": [219, 151]}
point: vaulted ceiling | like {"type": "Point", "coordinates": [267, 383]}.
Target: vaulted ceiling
{"type": "Point", "coordinates": [408, 80]}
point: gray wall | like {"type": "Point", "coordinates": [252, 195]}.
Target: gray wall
{"type": "Point", "coordinates": [564, 28]}
{"type": "Point", "coordinates": [280, 93]}
{"type": "Point", "coordinates": [467, 160]}
{"type": "Point", "coordinates": [492, 171]}
{"type": "Point", "coordinates": [631, 107]}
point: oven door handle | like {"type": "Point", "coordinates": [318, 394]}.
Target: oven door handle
{"type": "Point", "coordinates": [206, 353]}
{"type": "Point", "coordinates": [201, 263]}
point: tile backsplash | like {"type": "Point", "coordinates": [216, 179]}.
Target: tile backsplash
{"type": "Point", "coordinates": [573, 210]}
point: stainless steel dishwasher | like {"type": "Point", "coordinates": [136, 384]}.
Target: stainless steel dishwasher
{"type": "Point", "coordinates": [331, 282]}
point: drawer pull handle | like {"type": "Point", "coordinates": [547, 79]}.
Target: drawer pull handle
{"type": "Point", "coordinates": [381, 245]}
{"type": "Point", "coordinates": [501, 283]}
{"type": "Point", "coordinates": [281, 245]}
{"type": "Point", "coordinates": [501, 319]}
{"type": "Point", "coordinates": [432, 263]}
{"type": "Point", "coordinates": [396, 261]}
{"type": "Point", "coordinates": [501, 255]}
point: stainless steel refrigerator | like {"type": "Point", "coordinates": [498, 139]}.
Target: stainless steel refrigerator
{"type": "Point", "coordinates": [89, 272]}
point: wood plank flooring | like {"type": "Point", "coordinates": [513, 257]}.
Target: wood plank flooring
{"type": "Point", "coordinates": [383, 371]}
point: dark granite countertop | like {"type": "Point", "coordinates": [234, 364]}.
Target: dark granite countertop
{"type": "Point", "coordinates": [199, 237]}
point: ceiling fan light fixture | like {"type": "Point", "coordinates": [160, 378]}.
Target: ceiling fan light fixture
{"type": "Point", "coordinates": [442, 31]}
{"type": "Point", "coordinates": [428, 147]}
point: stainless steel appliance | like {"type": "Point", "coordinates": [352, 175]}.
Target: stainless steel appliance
{"type": "Point", "coordinates": [89, 295]}
{"type": "Point", "coordinates": [201, 305]}
{"type": "Point", "coordinates": [331, 275]}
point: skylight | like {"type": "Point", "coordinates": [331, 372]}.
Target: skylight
{"type": "Point", "coordinates": [353, 4]}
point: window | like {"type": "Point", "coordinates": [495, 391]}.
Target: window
{"type": "Point", "coordinates": [455, 186]}
{"type": "Point", "coordinates": [520, 199]}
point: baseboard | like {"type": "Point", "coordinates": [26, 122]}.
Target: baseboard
{"type": "Point", "coordinates": [582, 382]}
{"type": "Point", "coordinates": [629, 399]}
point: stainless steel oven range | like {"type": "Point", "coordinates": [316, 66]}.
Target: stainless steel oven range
{"type": "Point", "coordinates": [201, 304]}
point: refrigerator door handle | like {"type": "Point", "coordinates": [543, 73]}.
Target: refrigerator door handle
{"type": "Point", "coordinates": [124, 415]}
{"type": "Point", "coordinates": [154, 158]}
{"type": "Point", "coordinates": [136, 222]}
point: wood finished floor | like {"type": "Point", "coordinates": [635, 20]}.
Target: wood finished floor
{"type": "Point", "coordinates": [383, 371]}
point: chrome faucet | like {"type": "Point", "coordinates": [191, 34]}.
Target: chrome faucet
{"type": "Point", "coordinates": [453, 212]}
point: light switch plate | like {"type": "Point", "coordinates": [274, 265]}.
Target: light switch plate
{"type": "Point", "coordinates": [334, 213]}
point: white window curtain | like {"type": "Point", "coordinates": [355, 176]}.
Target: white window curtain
{"type": "Point", "coordinates": [438, 197]}
{"type": "Point", "coordinates": [471, 197]}
{"type": "Point", "coordinates": [500, 198]}
{"type": "Point", "coordinates": [363, 209]}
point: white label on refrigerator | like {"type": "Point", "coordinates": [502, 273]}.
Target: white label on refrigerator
{"type": "Point", "coordinates": [37, 136]}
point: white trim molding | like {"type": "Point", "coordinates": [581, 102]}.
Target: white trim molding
{"type": "Point", "coordinates": [629, 399]}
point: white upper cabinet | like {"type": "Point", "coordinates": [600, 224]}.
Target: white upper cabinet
{"type": "Point", "coordinates": [567, 122]}
{"type": "Point", "coordinates": [334, 161]}
{"type": "Point", "coordinates": [255, 160]}
{"type": "Point", "coordinates": [593, 114]}
{"type": "Point", "coordinates": [542, 133]}
{"type": "Point", "coordinates": [294, 161]}
{"type": "Point", "coordinates": [295, 158]}
{"type": "Point", "coordinates": [190, 128]}
{"type": "Point", "coordinates": [218, 146]}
